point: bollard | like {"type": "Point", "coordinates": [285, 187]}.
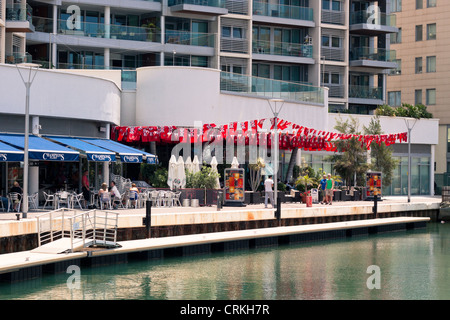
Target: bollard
{"type": "Point", "coordinates": [147, 221]}
{"type": "Point", "coordinates": [278, 211]}
{"type": "Point", "coordinates": [18, 216]}
{"type": "Point", "coordinates": [219, 200]}
{"type": "Point", "coordinates": [375, 208]}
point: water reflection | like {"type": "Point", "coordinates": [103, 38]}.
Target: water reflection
{"type": "Point", "coordinates": [413, 265]}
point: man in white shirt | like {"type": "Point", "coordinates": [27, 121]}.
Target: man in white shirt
{"type": "Point", "coordinates": [115, 193]}
{"type": "Point", "coordinates": [268, 184]}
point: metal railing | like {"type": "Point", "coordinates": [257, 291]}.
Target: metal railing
{"type": "Point", "coordinates": [51, 226]}
{"type": "Point", "coordinates": [15, 58]}
{"type": "Point", "coordinates": [19, 12]}
{"type": "Point", "coordinates": [84, 229]}
{"type": "Point", "coordinates": [270, 88]}
{"type": "Point", "coordinates": [208, 3]}
{"type": "Point", "coordinates": [370, 53]}
{"type": "Point", "coordinates": [93, 228]}
{"type": "Point", "coordinates": [381, 19]}
{"type": "Point", "coordinates": [282, 48]}
{"type": "Point", "coordinates": [365, 92]}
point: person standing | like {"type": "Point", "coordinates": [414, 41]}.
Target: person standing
{"type": "Point", "coordinates": [329, 189]}
{"type": "Point", "coordinates": [268, 184]}
{"type": "Point", "coordinates": [323, 185]}
{"type": "Point", "coordinates": [85, 188]}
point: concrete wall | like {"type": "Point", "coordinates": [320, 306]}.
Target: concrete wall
{"type": "Point", "coordinates": [182, 95]}
{"type": "Point", "coordinates": [60, 94]}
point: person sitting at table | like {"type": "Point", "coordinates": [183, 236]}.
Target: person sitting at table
{"type": "Point", "coordinates": [103, 194]}
{"type": "Point", "coordinates": [134, 191]}
{"type": "Point", "coordinates": [16, 189]}
{"type": "Point", "coordinates": [115, 193]}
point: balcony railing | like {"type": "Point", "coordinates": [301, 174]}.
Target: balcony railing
{"type": "Point", "coordinates": [190, 38]}
{"type": "Point", "coordinates": [375, 54]}
{"type": "Point", "coordinates": [269, 88]}
{"type": "Point", "coordinates": [208, 3]}
{"type": "Point", "coordinates": [282, 11]}
{"type": "Point", "coordinates": [282, 48]}
{"type": "Point", "coordinates": [381, 19]}
{"type": "Point", "coordinates": [19, 12]}
{"type": "Point", "coordinates": [365, 92]}
{"type": "Point", "coordinates": [16, 58]}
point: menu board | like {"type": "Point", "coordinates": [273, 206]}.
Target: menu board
{"type": "Point", "coordinates": [373, 184]}
{"type": "Point", "coordinates": [234, 185]}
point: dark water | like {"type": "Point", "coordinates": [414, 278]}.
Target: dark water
{"type": "Point", "coordinates": [412, 265]}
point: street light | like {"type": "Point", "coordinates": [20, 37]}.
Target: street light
{"type": "Point", "coordinates": [275, 155]}
{"type": "Point", "coordinates": [409, 154]}
{"type": "Point", "coordinates": [27, 82]}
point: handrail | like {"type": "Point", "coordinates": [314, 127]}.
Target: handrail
{"type": "Point", "coordinates": [53, 234]}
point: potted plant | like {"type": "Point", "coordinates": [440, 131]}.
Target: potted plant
{"type": "Point", "coordinates": [306, 181]}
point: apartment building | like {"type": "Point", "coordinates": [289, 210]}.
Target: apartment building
{"type": "Point", "coordinates": [423, 74]}
{"type": "Point", "coordinates": [15, 22]}
{"type": "Point", "coordinates": [339, 44]}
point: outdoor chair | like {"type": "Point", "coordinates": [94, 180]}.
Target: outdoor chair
{"type": "Point", "coordinates": [153, 195]}
{"type": "Point", "coordinates": [76, 199]}
{"type": "Point", "coordinates": [105, 200]}
{"type": "Point", "coordinates": [131, 197]}
{"type": "Point", "coordinates": [49, 198]}
{"type": "Point", "coordinates": [162, 198]}
{"type": "Point", "coordinates": [15, 199]}
{"type": "Point", "coordinates": [176, 198]}
{"type": "Point", "coordinates": [33, 200]}
{"type": "Point", "coordinates": [120, 201]}
{"type": "Point", "coordinates": [63, 198]}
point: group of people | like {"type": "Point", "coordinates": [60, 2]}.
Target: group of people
{"type": "Point", "coordinates": [326, 187]}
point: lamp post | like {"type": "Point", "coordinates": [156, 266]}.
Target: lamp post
{"type": "Point", "coordinates": [409, 127]}
{"type": "Point", "coordinates": [275, 155]}
{"type": "Point", "coordinates": [27, 82]}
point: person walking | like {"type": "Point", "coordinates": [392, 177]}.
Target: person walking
{"type": "Point", "coordinates": [329, 189]}
{"type": "Point", "coordinates": [323, 185]}
{"type": "Point", "coordinates": [85, 188]}
{"type": "Point", "coordinates": [268, 184]}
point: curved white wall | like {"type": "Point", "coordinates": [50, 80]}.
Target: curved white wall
{"type": "Point", "coordinates": [60, 94]}
{"type": "Point", "coordinates": [180, 96]}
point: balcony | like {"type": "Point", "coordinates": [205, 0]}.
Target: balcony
{"type": "Point", "coordinates": [16, 58]}
{"type": "Point", "coordinates": [19, 18]}
{"type": "Point", "coordinates": [283, 14]}
{"type": "Point", "coordinates": [365, 95]}
{"type": "Point", "coordinates": [373, 58]}
{"type": "Point", "coordinates": [190, 38]}
{"type": "Point", "coordinates": [208, 7]}
{"type": "Point", "coordinates": [282, 51]}
{"type": "Point", "coordinates": [269, 88]}
{"type": "Point", "coordinates": [363, 22]}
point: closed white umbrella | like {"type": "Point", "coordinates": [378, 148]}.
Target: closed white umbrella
{"type": "Point", "coordinates": [172, 171]}
{"type": "Point", "coordinates": [181, 174]}
{"type": "Point", "coordinates": [188, 164]}
{"type": "Point", "coordinates": [195, 165]}
{"type": "Point", "coordinates": [235, 163]}
{"type": "Point", "coordinates": [214, 169]}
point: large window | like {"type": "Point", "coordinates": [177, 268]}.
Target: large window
{"type": "Point", "coordinates": [394, 98]}
{"type": "Point", "coordinates": [431, 31]}
{"type": "Point", "coordinates": [431, 64]}
{"type": "Point", "coordinates": [431, 97]}
{"type": "Point", "coordinates": [420, 176]}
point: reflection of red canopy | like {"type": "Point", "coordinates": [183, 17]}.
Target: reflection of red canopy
{"type": "Point", "coordinates": [249, 133]}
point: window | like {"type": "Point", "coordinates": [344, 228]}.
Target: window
{"type": "Point", "coordinates": [226, 32]}
{"type": "Point", "coordinates": [419, 65]}
{"type": "Point", "coordinates": [396, 5]}
{"type": "Point", "coordinates": [431, 3]}
{"type": "Point", "coordinates": [394, 98]}
{"type": "Point", "coordinates": [419, 4]}
{"type": "Point", "coordinates": [325, 4]}
{"type": "Point", "coordinates": [334, 42]}
{"type": "Point", "coordinates": [431, 64]}
{"type": "Point", "coordinates": [431, 31]}
{"type": "Point", "coordinates": [397, 70]}
{"type": "Point", "coordinates": [334, 5]}
{"type": "Point", "coordinates": [419, 32]}
{"type": "Point", "coordinates": [418, 97]}
{"type": "Point", "coordinates": [232, 32]}
{"type": "Point", "coordinates": [396, 37]}
{"type": "Point", "coordinates": [431, 97]}
{"type": "Point", "coordinates": [238, 33]}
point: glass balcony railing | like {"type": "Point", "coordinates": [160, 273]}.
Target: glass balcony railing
{"type": "Point", "coordinates": [16, 58]}
{"type": "Point", "coordinates": [282, 11]}
{"type": "Point", "coordinates": [365, 92]}
{"type": "Point", "coordinates": [381, 19]}
{"type": "Point", "coordinates": [282, 49]}
{"type": "Point", "coordinates": [19, 12]}
{"type": "Point", "coordinates": [208, 3]}
{"type": "Point", "coordinates": [269, 88]}
{"type": "Point", "coordinates": [190, 38]}
{"type": "Point", "coordinates": [375, 54]}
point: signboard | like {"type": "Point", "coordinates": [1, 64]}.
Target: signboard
{"type": "Point", "coordinates": [373, 184]}
{"type": "Point", "coordinates": [234, 189]}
